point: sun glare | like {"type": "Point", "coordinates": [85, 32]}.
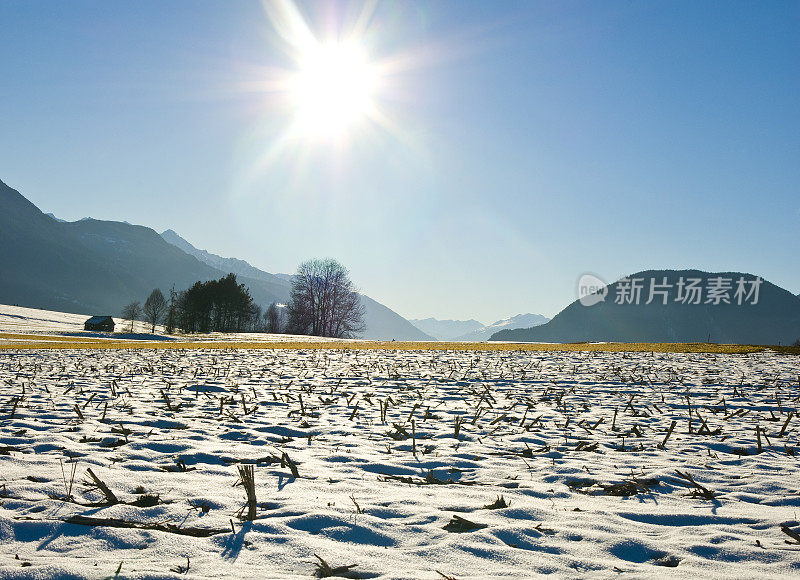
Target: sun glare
{"type": "Point", "coordinates": [332, 90]}
{"type": "Point", "coordinates": [332, 83]}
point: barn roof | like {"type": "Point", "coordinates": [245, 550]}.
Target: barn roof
{"type": "Point", "coordinates": [99, 319]}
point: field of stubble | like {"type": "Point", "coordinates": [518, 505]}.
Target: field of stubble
{"type": "Point", "coordinates": [398, 464]}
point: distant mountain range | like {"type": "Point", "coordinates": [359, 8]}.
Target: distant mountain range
{"type": "Point", "coordinates": [93, 266]}
{"type": "Point", "coordinates": [756, 311]}
{"type": "Point", "coordinates": [472, 330]}
{"type": "Point", "coordinates": [518, 321]}
{"type": "Point", "coordinates": [445, 329]}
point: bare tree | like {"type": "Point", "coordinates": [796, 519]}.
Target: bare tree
{"type": "Point", "coordinates": [255, 324]}
{"type": "Point", "coordinates": [170, 321]}
{"type": "Point", "coordinates": [324, 302]}
{"type": "Point", "coordinates": [131, 312]}
{"type": "Point", "coordinates": [273, 318]}
{"type": "Point", "coordinates": [154, 308]}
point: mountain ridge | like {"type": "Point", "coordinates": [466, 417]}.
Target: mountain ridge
{"type": "Point", "coordinates": [454, 330]}
{"type": "Point", "coordinates": [445, 329]}
{"type": "Point", "coordinates": [519, 321]}
{"type": "Point", "coordinates": [235, 265]}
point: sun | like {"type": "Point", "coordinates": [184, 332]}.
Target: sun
{"type": "Point", "coordinates": [333, 88]}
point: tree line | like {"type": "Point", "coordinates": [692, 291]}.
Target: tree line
{"type": "Point", "coordinates": [323, 302]}
{"type": "Point", "coordinates": [215, 306]}
{"type": "Point", "coordinates": [222, 305]}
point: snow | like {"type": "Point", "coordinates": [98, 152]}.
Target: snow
{"type": "Point", "coordinates": [363, 496]}
{"type": "Point", "coordinates": [18, 321]}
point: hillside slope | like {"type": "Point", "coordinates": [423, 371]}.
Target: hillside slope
{"type": "Point", "coordinates": [773, 319]}
{"type": "Point", "coordinates": [85, 266]}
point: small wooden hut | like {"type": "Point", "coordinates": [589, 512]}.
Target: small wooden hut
{"type": "Point", "coordinates": [102, 323]}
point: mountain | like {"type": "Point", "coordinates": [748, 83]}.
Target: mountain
{"type": "Point", "coordinates": [445, 329]}
{"type": "Point", "coordinates": [518, 321]}
{"type": "Point", "coordinates": [382, 322]}
{"type": "Point", "coordinates": [99, 266]}
{"type": "Point", "coordinates": [238, 267]}
{"type": "Point", "coordinates": [762, 314]}
{"type": "Point", "coordinates": [385, 324]}
{"type": "Point", "coordinates": [472, 330]}
{"type": "Point", "coordinates": [90, 265]}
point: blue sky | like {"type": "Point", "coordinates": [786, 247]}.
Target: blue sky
{"type": "Point", "coordinates": [530, 142]}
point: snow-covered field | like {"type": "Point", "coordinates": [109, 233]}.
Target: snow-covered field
{"type": "Point", "coordinates": [41, 324]}
{"type": "Point", "coordinates": [18, 319]}
{"type": "Point", "coordinates": [394, 462]}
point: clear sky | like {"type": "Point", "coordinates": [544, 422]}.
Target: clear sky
{"type": "Point", "coordinates": [509, 146]}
